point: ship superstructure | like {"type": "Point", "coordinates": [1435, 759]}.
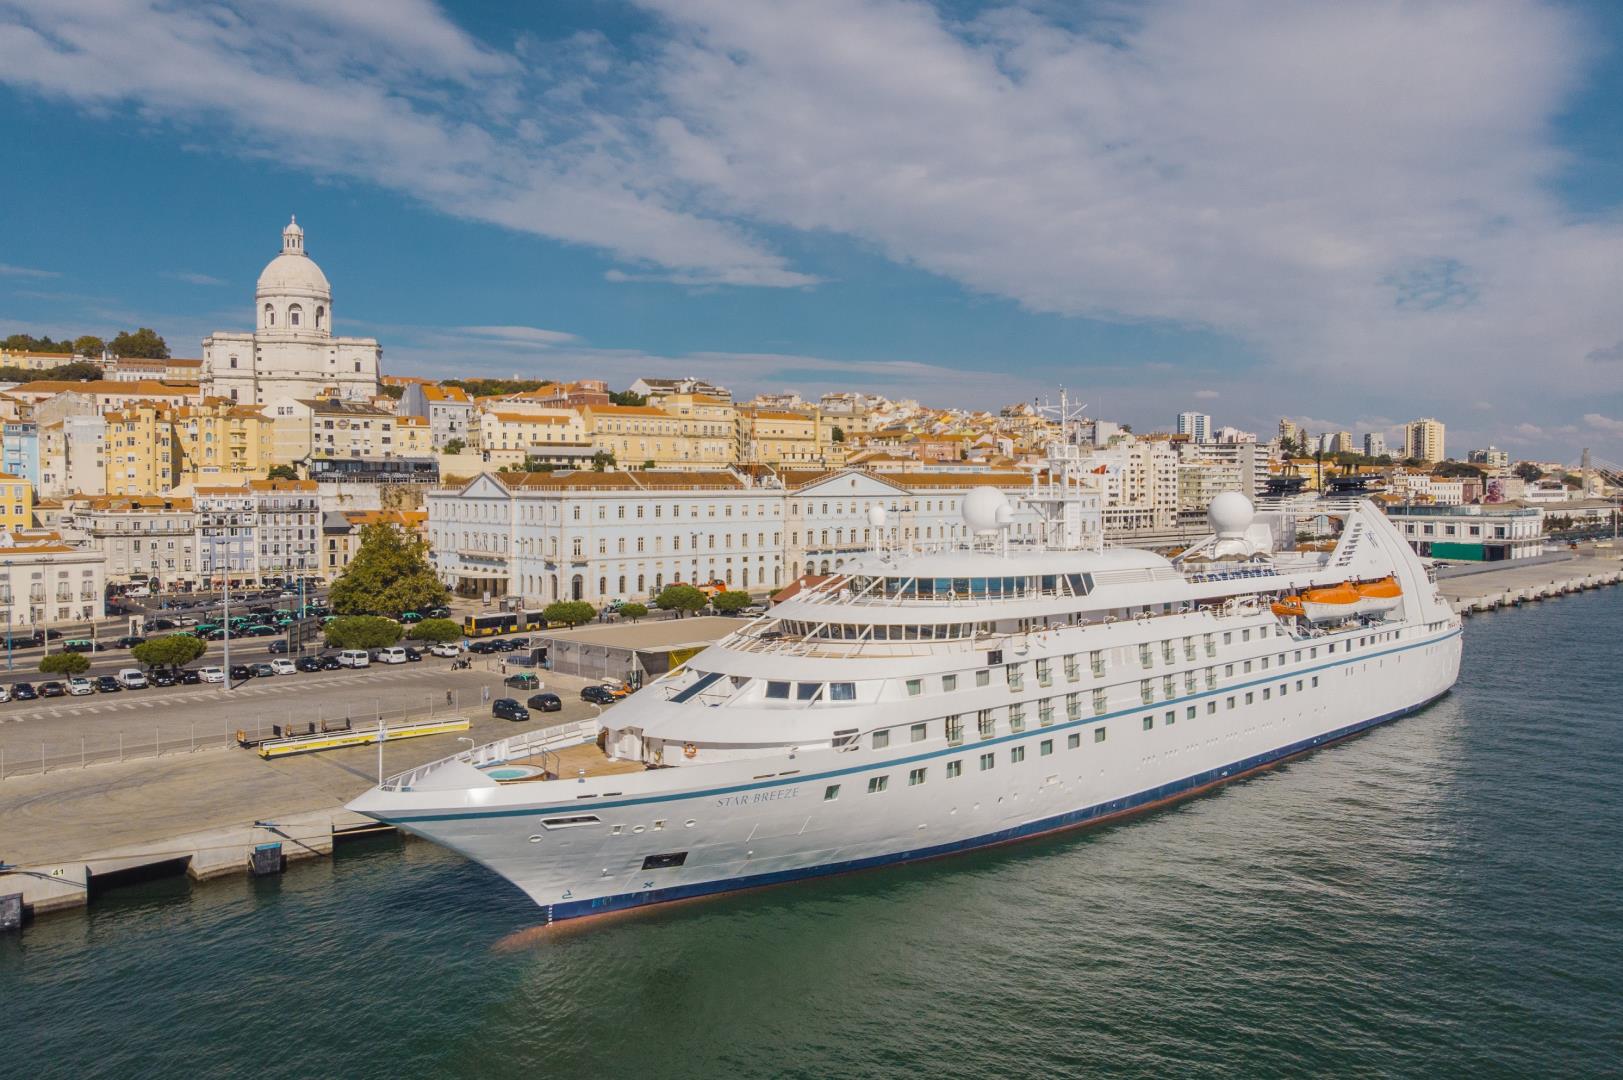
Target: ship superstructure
{"type": "Point", "coordinates": [930, 700]}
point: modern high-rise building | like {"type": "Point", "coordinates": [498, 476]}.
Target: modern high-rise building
{"type": "Point", "coordinates": [1492, 457]}
{"type": "Point", "coordinates": [1374, 444]}
{"type": "Point", "coordinates": [1289, 431]}
{"type": "Point", "coordinates": [1423, 440]}
{"type": "Point", "coordinates": [1196, 425]}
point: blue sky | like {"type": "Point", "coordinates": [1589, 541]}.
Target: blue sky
{"type": "Point", "coordinates": [1350, 214]}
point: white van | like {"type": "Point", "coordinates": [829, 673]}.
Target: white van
{"type": "Point", "coordinates": [392, 655]}
{"type": "Point", "coordinates": [132, 679]}
{"type": "Point", "coordinates": [354, 658]}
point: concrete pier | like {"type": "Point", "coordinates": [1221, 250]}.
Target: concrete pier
{"type": "Point", "coordinates": [1510, 585]}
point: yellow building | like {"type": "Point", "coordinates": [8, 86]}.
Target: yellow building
{"type": "Point", "coordinates": [708, 428]}
{"type": "Point", "coordinates": [16, 503]}
{"type": "Point", "coordinates": [643, 436]}
{"type": "Point", "coordinates": [219, 442]}
{"type": "Point", "coordinates": [141, 454]}
{"type": "Point", "coordinates": [1423, 440]}
{"type": "Point", "coordinates": [500, 429]}
{"type": "Point", "coordinates": [778, 437]}
{"type": "Point", "coordinates": [411, 437]}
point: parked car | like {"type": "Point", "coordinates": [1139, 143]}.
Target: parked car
{"type": "Point", "coordinates": [278, 646]}
{"type": "Point", "coordinates": [392, 655]}
{"type": "Point", "coordinates": [52, 689]}
{"type": "Point", "coordinates": [132, 678]}
{"type": "Point", "coordinates": [106, 684]}
{"type": "Point", "coordinates": [80, 645]}
{"type": "Point", "coordinates": [162, 677]}
{"type": "Point", "coordinates": [308, 663]}
{"type": "Point", "coordinates": [241, 672]}
{"type": "Point", "coordinates": [413, 656]}
{"type": "Point", "coordinates": [188, 677]}
{"type": "Point", "coordinates": [505, 708]}
{"type": "Point", "coordinates": [483, 648]}
{"type": "Point", "coordinates": [79, 686]}
{"type": "Point", "coordinates": [524, 680]}
{"type": "Point", "coordinates": [409, 617]}
{"type": "Point", "coordinates": [548, 702]}
{"type": "Point", "coordinates": [438, 613]}
{"type": "Point", "coordinates": [260, 630]}
{"type": "Point", "coordinates": [283, 666]}
{"type": "Point", "coordinates": [616, 687]}
{"type": "Point", "coordinates": [211, 674]}
{"type": "Point", "coordinates": [5, 693]}
{"type": "Point", "coordinates": [598, 695]}
{"type": "Point", "coordinates": [446, 648]}
{"type": "Point", "coordinates": [354, 658]}
{"type": "Point", "coordinates": [330, 662]}
{"type": "Point", "coordinates": [262, 671]}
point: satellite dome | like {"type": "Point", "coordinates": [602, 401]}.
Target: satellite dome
{"type": "Point", "coordinates": [986, 510]}
{"type": "Point", "coordinates": [877, 516]}
{"type": "Point", "coordinates": [1230, 514]}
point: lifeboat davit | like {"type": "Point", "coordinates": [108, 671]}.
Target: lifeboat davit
{"type": "Point", "coordinates": [1328, 605]}
{"type": "Point", "coordinates": [1379, 597]}
{"type": "Point", "coordinates": [1289, 607]}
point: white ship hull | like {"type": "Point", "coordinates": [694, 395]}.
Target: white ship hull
{"type": "Point", "coordinates": [737, 830]}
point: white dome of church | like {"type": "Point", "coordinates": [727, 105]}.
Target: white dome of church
{"type": "Point", "coordinates": [292, 353]}
{"type": "Point", "coordinates": [293, 294]}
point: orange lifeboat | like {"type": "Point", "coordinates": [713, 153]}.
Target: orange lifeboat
{"type": "Point", "coordinates": [1380, 596]}
{"type": "Point", "coordinates": [1289, 607]}
{"type": "Point", "coordinates": [1335, 602]}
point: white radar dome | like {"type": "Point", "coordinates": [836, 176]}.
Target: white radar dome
{"type": "Point", "coordinates": [986, 510]}
{"type": "Point", "coordinates": [877, 516]}
{"type": "Point", "coordinates": [1230, 514]}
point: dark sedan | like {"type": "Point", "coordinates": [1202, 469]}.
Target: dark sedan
{"type": "Point", "coordinates": [129, 642]}
{"type": "Point", "coordinates": [24, 691]}
{"type": "Point", "coordinates": [545, 702]}
{"type": "Point", "coordinates": [188, 677]}
{"type": "Point", "coordinates": [52, 689]}
{"type": "Point", "coordinates": [308, 663]}
{"type": "Point", "coordinates": [505, 708]}
{"type": "Point", "coordinates": [161, 677]}
{"type": "Point", "coordinates": [241, 672]}
{"type": "Point", "coordinates": [106, 684]}
{"type": "Point", "coordinates": [412, 655]}
{"type": "Point", "coordinates": [598, 695]}
{"type": "Point", "coordinates": [330, 663]}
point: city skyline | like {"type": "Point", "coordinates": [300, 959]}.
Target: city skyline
{"type": "Point", "coordinates": [631, 211]}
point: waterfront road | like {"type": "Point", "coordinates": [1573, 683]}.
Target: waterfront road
{"type": "Point", "coordinates": [174, 715]}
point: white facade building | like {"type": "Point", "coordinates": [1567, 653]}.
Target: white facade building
{"type": "Point", "coordinates": [1196, 425]}
{"type": "Point", "coordinates": [292, 352]}
{"type": "Point", "coordinates": [51, 582]}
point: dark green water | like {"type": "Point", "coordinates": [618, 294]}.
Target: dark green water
{"type": "Point", "coordinates": [1441, 897]}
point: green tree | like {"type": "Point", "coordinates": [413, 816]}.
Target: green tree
{"type": "Point", "coordinates": [1456, 468]}
{"type": "Point", "coordinates": [1528, 471]}
{"type": "Point", "coordinates": [362, 632]}
{"type": "Point", "coordinates": [282, 472]}
{"type": "Point", "coordinates": [65, 663]}
{"type": "Point", "coordinates": [455, 446]}
{"type": "Point", "coordinates": [569, 612]}
{"type": "Point", "coordinates": [839, 433]}
{"type": "Point", "coordinates": [730, 602]}
{"type": "Point", "coordinates": [626, 397]}
{"type": "Point", "coordinates": [602, 460]}
{"type": "Point", "coordinates": [487, 387]}
{"type": "Point", "coordinates": [535, 464]}
{"type": "Point", "coordinates": [144, 343]}
{"type": "Point", "coordinates": [394, 390]}
{"type": "Point", "coordinates": [389, 574]}
{"type": "Point", "coordinates": [171, 650]}
{"type": "Point", "coordinates": [435, 630]}
{"type": "Point", "coordinates": [29, 343]}
{"type": "Point", "coordinates": [634, 611]}
{"type": "Point", "coordinates": [681, 598]}
{"type": "Point", "coordinates": [88, 345]}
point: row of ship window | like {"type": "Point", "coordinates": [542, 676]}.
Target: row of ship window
{"type": "Point", "coordinates": [954, 728]}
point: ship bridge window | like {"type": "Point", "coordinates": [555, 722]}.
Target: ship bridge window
{"type": "Point", "coordinates": [842, 691]}
{"type": "Point", "coordinates": [808, 691]}
{"type": "Point", "coordinates": [777, 690]}
{"type": "Point", "coordinates": [697, 687]}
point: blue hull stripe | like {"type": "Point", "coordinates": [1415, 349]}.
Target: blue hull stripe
{"type": "Point", "coordinates": [951, 751]}
{"type": "Point", "coordinates": [1187, 786]}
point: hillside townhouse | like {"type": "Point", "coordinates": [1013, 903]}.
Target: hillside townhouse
{"type": "Point", "coordinates": [448, 409]}
{"type": "Point", "coordinates": [46, 581]}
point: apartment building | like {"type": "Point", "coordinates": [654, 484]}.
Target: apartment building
{"type": "Point", "coordinates": [265, 529]}
{"type": "Point", "coordinates": [1423, 440]}
{"type": "Point", "coordinates": [143, 538]}
{"type": "Point", "coordinates": [448, 409]}
{"type": "Point", "coordinates": [45, 582]}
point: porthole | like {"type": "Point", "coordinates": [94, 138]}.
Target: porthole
{"type": "Point", "coordinates": [639, 828]}
{"type": "Point", "coordinates": [690, 823]}
{"type": "Point", "coordinates": [535, 839]}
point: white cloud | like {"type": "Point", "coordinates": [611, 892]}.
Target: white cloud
{"type": "Point", "coordinates": [194, 279]}
{"type": "Point", "coordinates": [526, 335]}
{"type": "Point", "coordinates": [1608, 425]}
{"type": "Point", "coordinates": [26, 271]}
{"type": "Point", "coordinates": [1207, 395]}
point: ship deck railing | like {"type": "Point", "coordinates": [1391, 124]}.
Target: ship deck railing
{"type": "Point", "coordinates": [526, 745]}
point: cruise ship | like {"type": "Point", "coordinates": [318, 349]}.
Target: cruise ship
{"type": "Point", "coordinates": [931, 700]}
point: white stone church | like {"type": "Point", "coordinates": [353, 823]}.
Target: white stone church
{"type": "Point", "coordinates": [292, 352]}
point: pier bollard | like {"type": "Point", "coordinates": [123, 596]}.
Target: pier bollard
{"type": "Point", "coordinates": [265, 859]}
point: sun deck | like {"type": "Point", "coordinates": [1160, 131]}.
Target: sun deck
{"type": "Point", "coordinates": [569, 763]}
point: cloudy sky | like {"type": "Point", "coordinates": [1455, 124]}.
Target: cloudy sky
{"type": "Point", "coordinates": [1349, 213]}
